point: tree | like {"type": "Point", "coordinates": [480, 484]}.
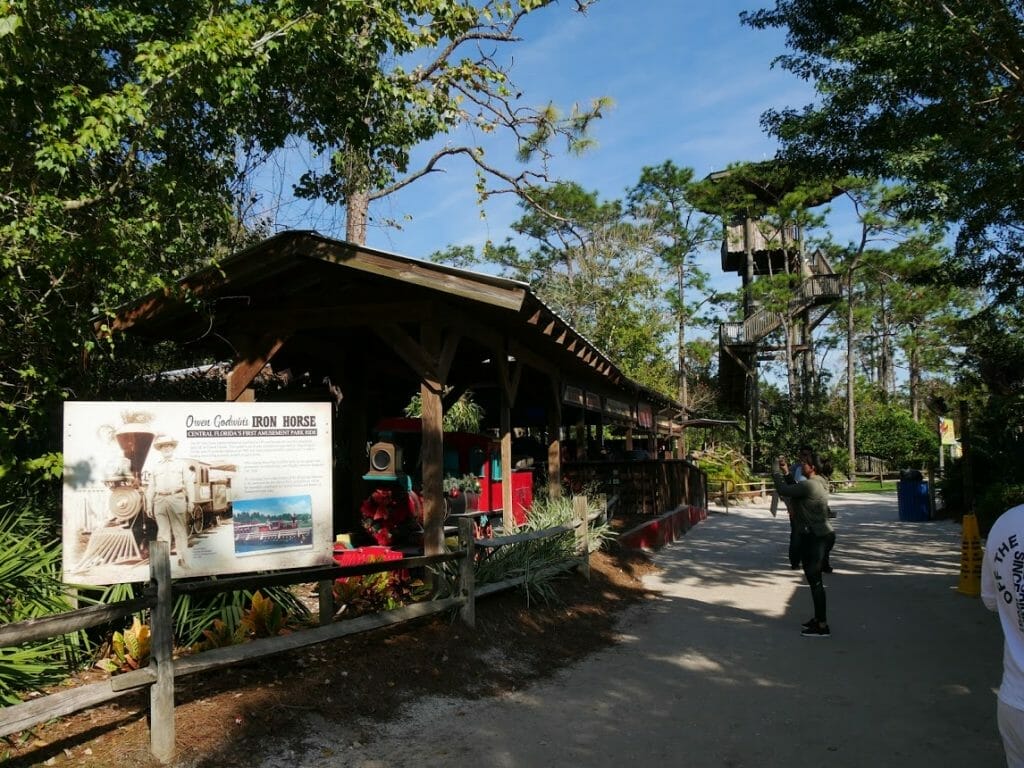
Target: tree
{"type": "Point", "coordinates": [427, 79]}
{"type": "Point", "coordinates": [891, 433]}
{"type": "Point", "coordinates": [681, 231]}
{"type": "Point", "coordinates": [597, 269]}
{"type": "Point", "coordinates": [927, 92]}
{"type": "Point", "coordinates": [132, 129]}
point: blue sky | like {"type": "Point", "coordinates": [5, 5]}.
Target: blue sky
{"type": "Point", "coordinates": [688, 82]}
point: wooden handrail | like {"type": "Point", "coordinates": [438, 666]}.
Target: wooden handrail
{"type": "Point", "coordinates": [812, 290]}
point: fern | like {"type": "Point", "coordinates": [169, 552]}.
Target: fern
{"type": "Point", "coordinates": [30, 588]}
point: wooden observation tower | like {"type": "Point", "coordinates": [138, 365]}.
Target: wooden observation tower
{"type": "Point", "coordinates": [755, 247]}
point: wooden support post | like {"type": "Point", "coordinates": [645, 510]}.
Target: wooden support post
{"type": "Point", "coordinates": [161, 694]}
{"type": "Point", "coordinates": [432, 458]}
{"type": "Point", "coordinates": [432, 445]}
{"type": "Point", "coordinates": [508, 521]}
{"type": "Point", "coordinates": [579, 515]}
{"type": "Point", "coordinates": [467, 573]}
{"type": "Point", "coordinates": [326, 594]}
{"type": "Point", "coordinates": [555, 443]}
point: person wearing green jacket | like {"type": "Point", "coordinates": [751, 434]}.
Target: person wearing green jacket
{"type": "Point", "coordinates": [810, 510]}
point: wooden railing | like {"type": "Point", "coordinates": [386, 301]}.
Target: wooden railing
{"type": "Point", "coordinates": [647, 487]}
{"type": "Point", "coordinates": [159, 597]}
{"type": "Point", "coordinates": [811, 291]}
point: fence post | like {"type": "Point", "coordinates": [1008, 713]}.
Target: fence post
{"type": "Point", "coordinates": [467, 575]}
{"type": "Point", "coordinates": [325, 591]}
{"type": "Point", "coordinates": [161, 693]}
{"type": "Point", "coordinates": [579, 514]}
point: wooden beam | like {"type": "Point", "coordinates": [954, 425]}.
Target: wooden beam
{"type": "Point", "coordinates": [251, 363]}
{"type": "Point", "coordinates": [423, 274]}
{"type": "Point", "coordinates": [448, 350]}
{"type": "Point", "coordinates": [508, 522]}
{"type": "Point", "coordinates": [341, 315]}
{"type": "Point", "coordinates": [509, 377]}
{"type": "Point", "coordinates": [422, 363]}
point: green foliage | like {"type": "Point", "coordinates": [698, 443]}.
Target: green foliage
{"type": "Point", "coordinates": [994, 500]}
{"type": "Point", "coordinates": [263, 618]}
{"type": "Point", "coordinates": [534, 559]}
{"type": "Point", "coordinates": [892, 434]}
{"type": "Point", "coordinates": [920, 91]}
{"type": "Point", "coordinates": [463, 415]}
{"type": "Point", "coordinates": [31, 588]}
{"type": "Point", "coordinates": [132, 136]}
{"type": "Point", "coordinates": [373, 593]}
{"type": "Point", "coordinates": [725, 465]}
{"type": "Point", "coordinates": [194, 614]}
{"type": "Point", "coordinates": [839, 458]}
{"type": "Point", "coordinates": [465, 484]}
{"type": "Point", "coordinates": [624, 276]}
{"type": "Point", "coordinates": [220, 635]}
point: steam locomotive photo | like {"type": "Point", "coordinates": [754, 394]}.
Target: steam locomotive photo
{"type": "Point", "coordinates": [121, 532]}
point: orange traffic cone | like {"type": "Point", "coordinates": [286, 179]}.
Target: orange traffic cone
{"type": "Point", "coordinates": [970, 558]}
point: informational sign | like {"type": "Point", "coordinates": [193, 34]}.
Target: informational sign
{"type": "Point", "coordinates": [946, 432]}
{"type": "Point", "coordinates": [234, 487]}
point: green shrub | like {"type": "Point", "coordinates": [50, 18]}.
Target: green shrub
{"type": "Point", "coordinates": [30, 588]}
{"type": "Point", "coordinates": [725, 465]}
{"type": "Point", "coordinates": [892, 434]}
{"type": "Point", "coordinates": [534, 559]}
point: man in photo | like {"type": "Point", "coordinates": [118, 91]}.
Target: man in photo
{"type": "Point", "coordinates": [170, 495]}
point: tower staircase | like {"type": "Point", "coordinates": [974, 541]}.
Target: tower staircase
{"type": "Point", "coordinates": [740, 343]}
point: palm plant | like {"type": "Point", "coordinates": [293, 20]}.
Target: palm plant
{"type": "Point", "coordinates": [536, 559]}
{"type": "Point", "coordinates": [30, 588]}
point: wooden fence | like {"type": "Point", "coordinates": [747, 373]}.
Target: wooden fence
{"type": "Point", "coordinates": [159, 597]}
{"type": "Point", "coordinates": [641, 487]}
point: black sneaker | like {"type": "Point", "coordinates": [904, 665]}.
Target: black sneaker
{"type": "Point", "coordinates": [817, 631]}
{"type": "Point", "coordinates": [809, 623]}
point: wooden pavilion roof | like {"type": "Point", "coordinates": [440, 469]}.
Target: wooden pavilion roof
{"type": "Point", "coordinates": [318, 306]}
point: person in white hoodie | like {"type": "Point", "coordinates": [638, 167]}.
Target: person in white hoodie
{"type": "Point", "coordinates": [1002, 590]}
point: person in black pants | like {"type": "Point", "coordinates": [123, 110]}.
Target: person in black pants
{"type": "Point", "coordinates": [796, 476]}
{"type": "Point", "coordinates": [810, 511]}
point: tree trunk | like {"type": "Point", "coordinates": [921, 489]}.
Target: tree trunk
{"type": "Point", "coordinates": [357, 212]}
{"type": "Point", "coordinates": [914, 380]}
{"type": "Point", "coordinates": [684, 394]}
{"type": "Point", "coordinates": [851, 406]}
